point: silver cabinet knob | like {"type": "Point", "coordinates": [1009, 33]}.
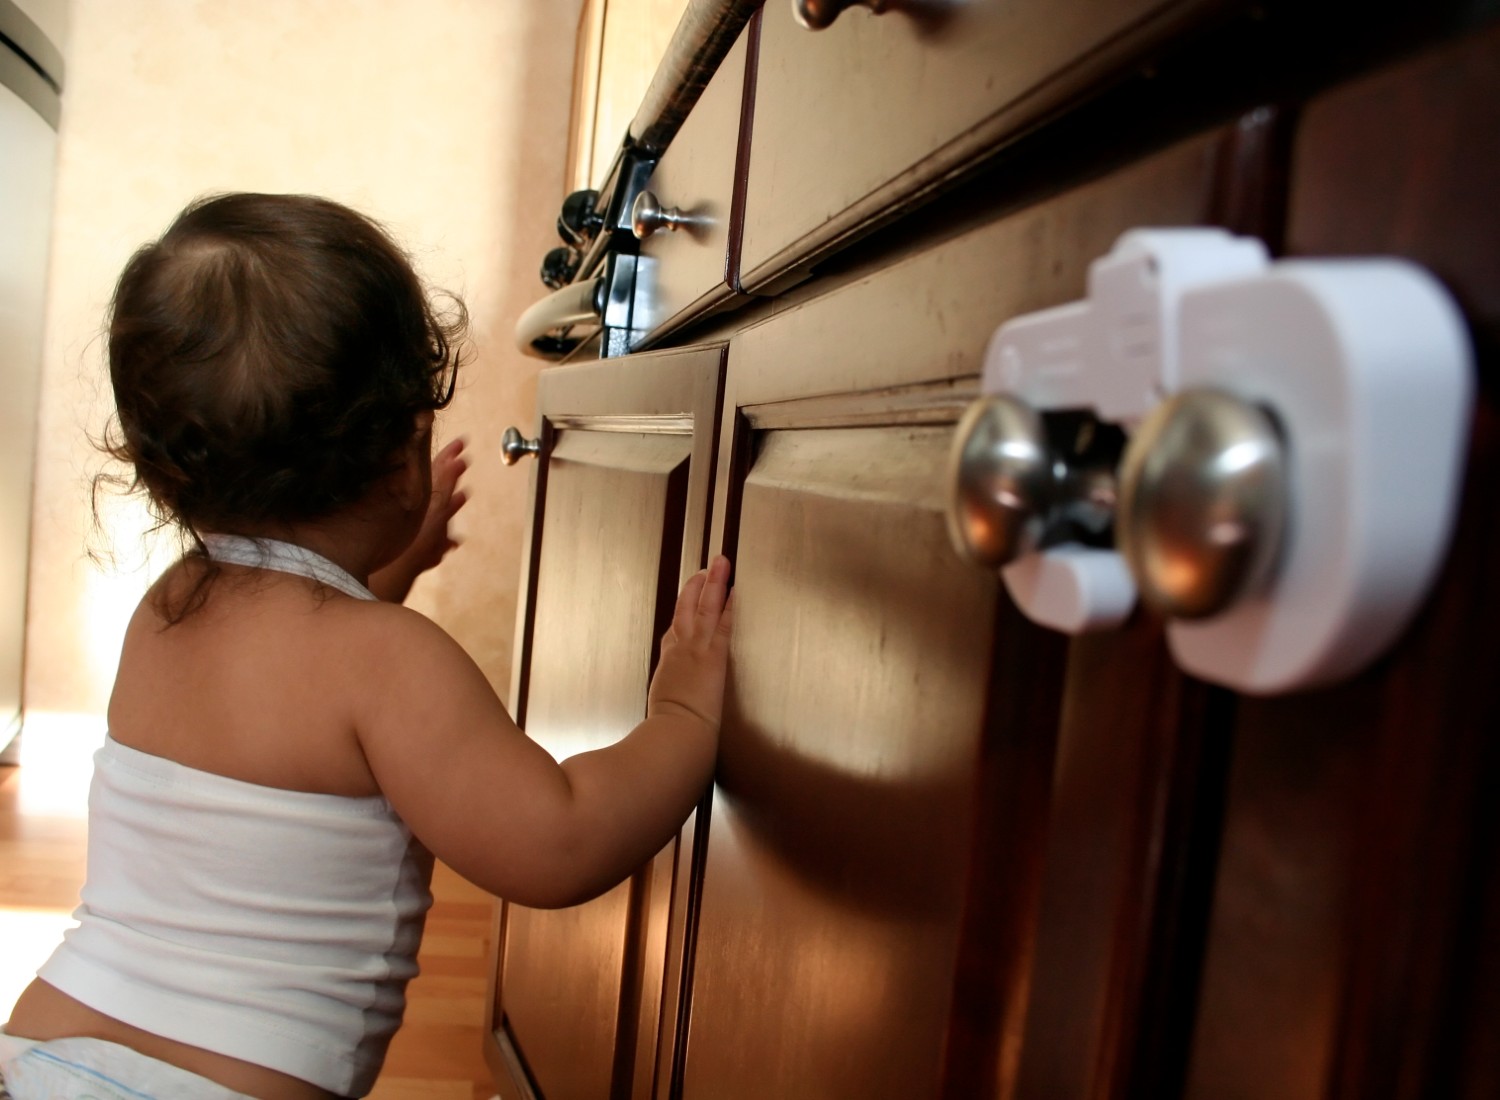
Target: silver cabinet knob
{"type": "Point", "coordinates": [647, 215]}
{"type": "Point", "coordinates": [1203, 502]}
{"type": "Point", "coordinates": [817, 15]}
{"type": "Point", "coordinates": [514, 446]}
{"type": "Point", "coordinates": [1000, 479]}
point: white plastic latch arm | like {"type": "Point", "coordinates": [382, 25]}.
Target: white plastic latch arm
{"type": "Point", "coordinates": [1367, 367]}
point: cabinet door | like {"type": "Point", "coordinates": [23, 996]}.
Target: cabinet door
{"type": "Point", "coordinates": [1351, 951]}
{"type": "Point", "coordinates": [871, 869]}
{"type": "Point", "coordinates": [619, 521]}
{"type": "Point", "coordinates": [1297, 897]}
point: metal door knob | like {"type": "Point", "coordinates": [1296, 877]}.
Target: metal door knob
{"type": "Point", "coordinates": [1203, 502]}
{"type": "Point", "coordinates": [514, 446]}
{"type": "Point", "coordinates": [817, 15]}
{"type": "Point", "coordinates": [1000, 478]}
{"type": "Point", "coordinates": [647, 215]}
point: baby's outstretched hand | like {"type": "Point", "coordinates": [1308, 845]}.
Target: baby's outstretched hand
{"type": "Point", "coordinates": [690, 675]}
{"type": "Point", "coordinates": [433, 539]}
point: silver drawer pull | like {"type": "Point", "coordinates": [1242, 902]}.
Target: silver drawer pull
{"type": "Point", "coordinates": [514, 446]}
{"type": "Point", "coordinates": [647, 215]}
{"type": "Point", "coordinates": [817, 15]}
{"type": "Point", "coordinates": [1203, 502]}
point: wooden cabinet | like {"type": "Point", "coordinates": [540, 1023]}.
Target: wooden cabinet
{"type": "Point", "coordinates": [950, 853]}
{"type": "Point", "coordinates": [1349, 948]}
{"type": "Point", "coordinates": [620, 520]}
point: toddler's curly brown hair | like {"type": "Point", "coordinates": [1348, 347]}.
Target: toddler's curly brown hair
{"type": "Point", "coordinates": [269, 355]}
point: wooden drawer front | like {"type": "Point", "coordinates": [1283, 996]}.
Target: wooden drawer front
{"type": "Point", "coordinates": [855, 119]}
{"type": "Point", "coordinates": [685, 272]}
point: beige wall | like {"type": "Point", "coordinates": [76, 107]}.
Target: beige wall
{"type": "Point", "coordinates": [445, 119]}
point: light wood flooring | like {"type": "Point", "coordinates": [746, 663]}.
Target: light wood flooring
{"type": "Point", "coordinates": [438, 1053]}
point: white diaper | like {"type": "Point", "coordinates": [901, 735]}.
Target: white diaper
{"type": "Point", "coordinates": [92, 1069]}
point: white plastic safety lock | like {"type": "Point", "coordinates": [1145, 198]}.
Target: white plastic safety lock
{"type": "Point", "coordinates": [1296, 439]}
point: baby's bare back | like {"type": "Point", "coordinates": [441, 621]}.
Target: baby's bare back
{"type": "Point", "coordinates": [259, 684]}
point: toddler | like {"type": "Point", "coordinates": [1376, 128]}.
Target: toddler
{"type": "Point", "coordinates": [288, 746]}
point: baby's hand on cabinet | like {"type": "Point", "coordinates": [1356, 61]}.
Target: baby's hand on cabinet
{"type": "Point", "coordinates": [694, 658]}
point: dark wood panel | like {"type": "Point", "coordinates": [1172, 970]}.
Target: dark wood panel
{"type": "Point", "coordinates": [1011, 793]}
{"type": "Point", "coordinates": [1129, 852]}
{"type": "Point", "coordinates": [1407, 163]}
{"type": "Point", "coordinates": [619, 519]}
{"type": "Point", "coordinates": [834, 882]}
{"type": "Point", "coordinates": [1136, 802]}
{"type": "Point", "coordinates": [571, 976]}
{"type": "Point", "coordinates": [1351, 945]}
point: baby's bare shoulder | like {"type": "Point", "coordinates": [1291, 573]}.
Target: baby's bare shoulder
{"type": "Point", "coordinates": [394, 637]}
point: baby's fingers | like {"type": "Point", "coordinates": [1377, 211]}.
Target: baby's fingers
{"type": "Point", "coordinates": [448, 465]}
{"type": "Point", "coordinates": [714, 592]}
{"type": "Point", "coordinates": [687, 603]}
{"type": "Point", "coordinates": [700, 605]}
{"type": "Point", "coordinates": [726, 620]}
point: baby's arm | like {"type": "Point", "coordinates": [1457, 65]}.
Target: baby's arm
{"type": "Point", "coordinates": [494, 805]}
{"type": "Point", "coordinates": [651, 780]}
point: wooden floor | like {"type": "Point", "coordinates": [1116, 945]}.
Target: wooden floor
{"type": "Point", "coordinates": [437, 1055]}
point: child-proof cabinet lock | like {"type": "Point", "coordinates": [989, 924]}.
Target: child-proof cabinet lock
{"type": "Point", "coordinates": [1268, 454]}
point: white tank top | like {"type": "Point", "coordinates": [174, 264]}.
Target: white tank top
{"type": "Point", "coordinates": [278, 927]}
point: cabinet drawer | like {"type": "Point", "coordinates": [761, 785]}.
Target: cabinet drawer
{"type": "Point", "coordinates": [685, 272]}
{"type": "Point", "coordinates": [858, 118]}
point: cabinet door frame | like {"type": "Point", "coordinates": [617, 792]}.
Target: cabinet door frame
{"type": "Point", "coordinates": [674, 392]}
